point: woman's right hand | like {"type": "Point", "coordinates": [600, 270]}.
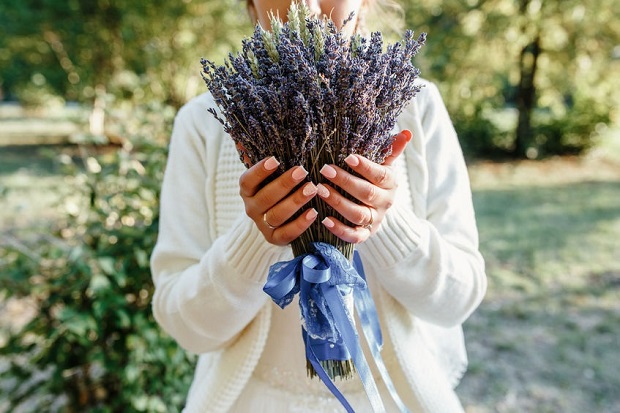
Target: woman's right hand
{"type": "Point", "coordinates": [272, 205]}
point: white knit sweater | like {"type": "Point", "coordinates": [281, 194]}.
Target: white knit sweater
{"type": "Point", "coordinates": [210, 261]}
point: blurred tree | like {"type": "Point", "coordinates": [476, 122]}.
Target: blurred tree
{"type": "Point", "coordinates": [148, 49]}
{"type": "Point", "coordinates": [540, 57]}
{"type": "Point", "coordinates": [545, 60]}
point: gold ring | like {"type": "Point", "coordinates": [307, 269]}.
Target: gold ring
{"type": "Point", "coordinates": [369, 225]}
{"type": "Point", "coordinates": [267, 223]}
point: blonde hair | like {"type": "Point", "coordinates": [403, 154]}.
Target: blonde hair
{"type": "Point", "coordinates": [388, 17]}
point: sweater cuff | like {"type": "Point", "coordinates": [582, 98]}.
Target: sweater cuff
{"type": "Point", "coordinates": [399, 237]}
{"type": "Point", "coordinates": [249, 254]}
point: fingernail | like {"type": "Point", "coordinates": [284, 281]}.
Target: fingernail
{"type": "Point", "coordinates": [408, 134]}
{"type": "Point", "coordinates": [328, 223]}
{"type": "Point", "coordinates": [322, 191]}
{"type": "Point", "coordinates": [311, 214]}
{"type": "Point", "coordinates": [328, 172]}
{"type": "Point", "coordinates": [310, 189]}
{"type": "Point", "coordinates": [352, 160]}
{"type": "Point", "coordinates": [271, 163]}
{"type": "Point", "coordinates": [299, 173]}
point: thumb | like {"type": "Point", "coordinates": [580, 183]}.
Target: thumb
{"type": "Point", "coordinates": [398, 146]}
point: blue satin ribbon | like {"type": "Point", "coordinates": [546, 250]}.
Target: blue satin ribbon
{"type": "Point", "coordinates": [323, 278]}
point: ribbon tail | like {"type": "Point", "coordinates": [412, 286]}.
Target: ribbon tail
{"type": "Point", "coordinates": [318, 368]}
{"type": "Point", "coordinates": [366, 304]}
{"type": "Point", "coordinates": [351, 339]}
{"type": "Point", "coordinates": [369, 319]}
{"type": "Point", "coordinates": [376, 354]}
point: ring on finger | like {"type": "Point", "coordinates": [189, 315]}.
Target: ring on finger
{"type": "Point", "coordinates": [368, 226]}
{"type": "Point", "coordinates": [267, 223]}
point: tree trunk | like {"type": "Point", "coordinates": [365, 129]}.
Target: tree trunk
{"type": "Point", "coordinates": [526, 96]}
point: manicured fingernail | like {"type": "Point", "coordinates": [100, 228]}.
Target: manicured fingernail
{"type": "Point", "coordinates": [322, 191]}
{"type": "Point", "coordinates": [310, 189]}
{"type": "Point", "coordinates": [408, 134]}
{"type": "Point", "coordinates": [328, 172]}
{"type": "Point", "coordinates": [352, 160]}
{"type": "Point", "coordinates": [299, 173]}
{"type": "Point", "coordinates": [271, 163]}
{"type": "Point", "coordinates": [311, 214]}
{"type": "Point", "coordinates": [328, 223]}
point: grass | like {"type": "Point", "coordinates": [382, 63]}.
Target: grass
{"type": "Point", "coordinates": [547, 336]}
{"type": "Point", "coordinates": [31, 186]}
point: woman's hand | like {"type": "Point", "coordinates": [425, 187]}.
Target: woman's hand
{"type": "Point", "coordinates": [271, 206]}
{"type": "Point", "coordinates": [375, 190]}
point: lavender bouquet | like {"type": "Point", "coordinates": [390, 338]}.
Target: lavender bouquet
{"type": "Point", "coordinates": [308, 95]}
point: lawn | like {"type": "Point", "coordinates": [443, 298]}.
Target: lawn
{"type": "Point", "coordinates": [547, 336]}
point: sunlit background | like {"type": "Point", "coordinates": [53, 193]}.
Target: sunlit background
{"type": "Point", "coordinates": [88, 92]}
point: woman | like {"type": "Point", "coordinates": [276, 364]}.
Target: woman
{"type": "Point", "coordinates": [221, 229]}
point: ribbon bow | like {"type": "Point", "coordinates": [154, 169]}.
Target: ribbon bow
{"type": "Point", "coordinates": [325, 279]}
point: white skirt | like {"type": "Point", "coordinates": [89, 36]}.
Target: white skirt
{"type": "Point", "coordinates": [261, 397]}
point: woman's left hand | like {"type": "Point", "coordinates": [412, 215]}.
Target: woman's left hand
{"type": "Point", "coordinates": [375, 190]}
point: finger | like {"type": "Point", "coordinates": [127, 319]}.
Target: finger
{"type": "Point", "coordinates": [358, 188]}
{"type": "Point", "coordinates": [354, 213]}
{"type": "Point", "coordinates": [276, 190]}
{"type": "Point", "coordinates": [379, 175]}
{"type": "Point", "coordinates": [250, 180]}
{"type": "Point", "coordinates": [398, 146]}
{"type": "Point", "coordinates": [290, 231]}
{"type": "Point", "coordinates": [286, 208]}
{"type": "Point", "coordinates": [346, 233]}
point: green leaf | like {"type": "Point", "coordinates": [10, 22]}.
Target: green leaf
{"type": "Point", "coordinates": [99, 283]}
{"type": "Point", "coordinates": [123, 318]}
{"type": "Point", "coordinates": [142, 258]}
{"type": "Point", "coordinates": [107, 265]}
{"type": "Point", "coordinates": [76, 322]}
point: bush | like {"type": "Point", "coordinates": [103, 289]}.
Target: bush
{"type": "Point", "coordinates": [480, 137]}
{"type": "Point", "coordinates": [491, 134]}
{"type": "Point", "coordinates": [94, 345]}
{"type": "Point", "coordinates": [571, 134]}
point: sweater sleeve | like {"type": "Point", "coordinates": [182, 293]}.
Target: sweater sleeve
{"type": "Point", "coordinates": [207, 289]}
{"type": "Point", "coordinates": [431, 264]}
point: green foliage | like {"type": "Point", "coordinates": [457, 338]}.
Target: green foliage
{"type": "Point", "coordinates": [489, 133]}
{"type": "Point", "coordinates": [473, 53]}
{"type": "Point", "coordinates": [478, 136]}
{"type": "Point", "coordinates": [73, 48]}
{"type": "Point", "coordinates": [152, 50]}
{"type": "Point", "coordinates": [571, 134]}
{"type": "Point", "coordinates": [93, 344]}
